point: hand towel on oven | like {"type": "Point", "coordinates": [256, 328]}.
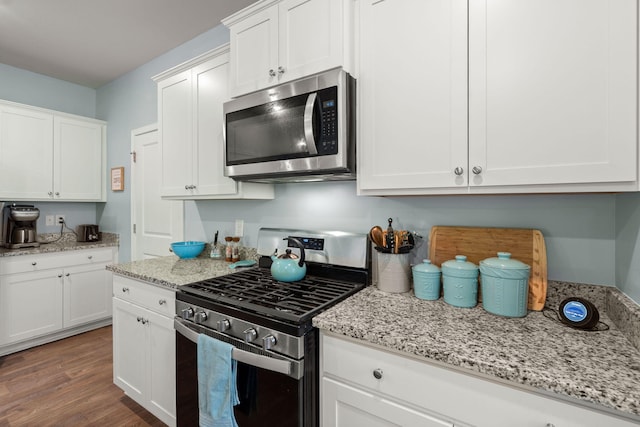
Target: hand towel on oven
{"type": "Point", "coordinates": [217, 392]}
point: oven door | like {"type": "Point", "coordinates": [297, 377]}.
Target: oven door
{"type": "Point", "coordinates": [271, 388]}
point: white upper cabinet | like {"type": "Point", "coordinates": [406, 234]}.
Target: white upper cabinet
{"type": "Point", "coordinates": [273, 42]}
{"type": "Point", "coordinates": [47, 155]}
{"type": "Point", "coordinates": [546, 103]}
{"type": "Point", "coordinates": [191, 124]}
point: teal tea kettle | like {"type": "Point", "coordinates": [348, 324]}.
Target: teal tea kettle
{"type": "Point", "coordinates": [288, 267]}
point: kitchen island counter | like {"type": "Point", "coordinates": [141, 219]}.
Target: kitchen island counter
{"type": "Point", "coordinates": [536, 352]}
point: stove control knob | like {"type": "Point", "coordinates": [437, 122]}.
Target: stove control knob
{"type": "Point", "coordinates": [200, 316]}
{"type": "Point", "coordinates": [269, 342]}
{"type": "Point", "coordinates": [250, 335]}
{"type": "Point", "coordinates": [187, 313]}
{"type": "Point", "coordinates": [223, 325]}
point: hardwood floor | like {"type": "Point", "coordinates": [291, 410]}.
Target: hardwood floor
{"type": "Point", "coordinates": [67, 383]}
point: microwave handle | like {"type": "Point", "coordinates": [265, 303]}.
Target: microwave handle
{"type": "Point", "coordinates": [308, 124]}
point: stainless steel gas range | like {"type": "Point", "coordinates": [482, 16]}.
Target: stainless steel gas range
{"type": "Point", "coordinates": [269, 324]}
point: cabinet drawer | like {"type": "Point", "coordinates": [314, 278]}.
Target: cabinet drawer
{"type": "Point", "coordinates": [442, 391]}
{"type": "Point", "coordinates": [162, 301]}
{"type": "Point", "coordinates": [39, 262]}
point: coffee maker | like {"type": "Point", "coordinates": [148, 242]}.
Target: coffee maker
{"type": "Point", "coordinates": [19, 226]}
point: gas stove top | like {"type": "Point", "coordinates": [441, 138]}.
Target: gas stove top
{"type": "Point", "coordinates": [255, 290]}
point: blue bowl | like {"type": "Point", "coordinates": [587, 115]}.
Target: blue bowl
{"type": "Point", "coordinates": [187, 250]}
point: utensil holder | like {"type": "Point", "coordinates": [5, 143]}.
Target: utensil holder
{"type": "Point", "coordinates": [391, 272]}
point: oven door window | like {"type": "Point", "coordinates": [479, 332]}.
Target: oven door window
{"type": "Point", "coordinates": [265, 397]}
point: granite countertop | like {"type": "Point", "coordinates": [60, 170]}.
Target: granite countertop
{"type": "Point", "coordinates": [172, 272]}
{"type": "Point", "coordinates": [60, 243]}
{"type": "Point", "coordinates": [537, 352]}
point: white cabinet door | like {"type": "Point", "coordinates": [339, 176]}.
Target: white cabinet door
{"type": "Point", "coordinates": [552, 91]}
{"type": "Point", "coordinates": [254, 52]}
{"type": "Point", "coordinates": [161, 362]}
{"type": "Point", "coordinates": [129, 349]}
{"type": "Point", "coordinates": [30, 305]}
{"type": "Point", "coordinates": [175, 125]}
{"type": "Point", "coordinates": [347, 406]}
{"type": "Point", "coordinates": [310, 35]}
{"type": "Point", "coordinates": [412, 95]}
{"type": "Point", "coordinates": [87, 294]}
{"type": "Point", "coordinates": [210, 92]}
{"type": "Point", "coordinates": [78, 160]}
{"type": "Point", "coordinates": [26, 154]}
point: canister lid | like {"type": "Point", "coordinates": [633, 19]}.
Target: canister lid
{"type": "Point", "coordinates": [426, 267]}
{"type": "Point", "coordinates": [460, 263]}
{"type": "Point", "coordinates": [504, 262]}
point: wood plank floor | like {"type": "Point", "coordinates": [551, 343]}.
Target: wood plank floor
{"type": "Point", "coordinates": [67, 383]}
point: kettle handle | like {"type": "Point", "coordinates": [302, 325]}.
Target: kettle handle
{"type": "Point", "coordinates": [299, 244]}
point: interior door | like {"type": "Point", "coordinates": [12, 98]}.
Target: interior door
{"type": "Point", "coordinates": [156, 222]}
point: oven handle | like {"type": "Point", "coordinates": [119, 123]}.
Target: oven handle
{"type": "Point", "coordinates": [308, 124]}
{"type": "Point", "coordinates": [259, 361]}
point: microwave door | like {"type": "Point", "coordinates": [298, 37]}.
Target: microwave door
{"type": "Point", "coordinates": [309, 110]}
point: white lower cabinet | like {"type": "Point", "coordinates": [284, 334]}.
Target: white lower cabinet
{"type": "Point", "coordinates": [362, 385]}
{"type": "Point", "coordinates": [46, 297]}
{"type": "Point", "coordinates": [144, 346]}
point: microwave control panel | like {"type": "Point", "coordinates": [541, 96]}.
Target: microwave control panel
{"type": "Point", "coordinates": [328, 141]}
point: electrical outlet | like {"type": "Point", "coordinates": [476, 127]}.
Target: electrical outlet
{"type": "Point", "coordinates": [49, 220]}
{"type": "Point", "coordinates": [239, 228]}
{"type": "Point", "coordinates": [59, 219]}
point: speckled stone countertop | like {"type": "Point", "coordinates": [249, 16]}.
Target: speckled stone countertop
{"type": "Point", "coordinates": [540, 353]}
{"type": "Point", "coordinates": [60, 243]}
{"type": "Point", "coordinates": [172, 272]}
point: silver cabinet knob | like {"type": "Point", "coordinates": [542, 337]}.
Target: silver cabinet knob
{"type": "Point", "coordinates": [139, 319]}
{"type": "Point", "coordinates": [477, 170]}
{"type": "Point", "coordinates": [34, 263]}
{"type": "Point", "coordinates": [250, 335]}
{"type": "Point", "coordinates": [60, 275]}
{"type": "Point", "coordinates": [223, 325]}
{"type": "Point", "coordinates": [50, 193]}
{"type": "Point", "coordinates": [90, 257]}
{"type": "Point", "coordinates": [550, 425]}
{"type": "Point", "coordinates": [186, 187]}
{"type": "Point", "coordinates": [269, 342]}
{"type": "Point", "coordinates": [281, 70]}
{"type": "Point", "coordinates": [144, 321]}
{"type": "Point", "coordinates": [125, 290]}
{"type": "Point", "coordinates": [200, 317]}
{"type": "Point", "coordinates": [68, 274]}
{"type": "Point", "coordinates": [186, 313]}
{"type": "Point", "coordinates": [57, 193]}
{"type": "Point", "coordinates": [162, 302]}
{"type": "Point", "coordinates": [272, 73]}
{"type": "Point", "coordinates": [377, 373]}
{"type": "Point", "coordinates": [458, 171]}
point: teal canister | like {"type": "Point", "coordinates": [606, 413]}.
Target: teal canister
{"type": "Point", "coordinates": [426, 280]}
{"type": "Point", "coordinates": [505, 285]}
{"type": "Point", "coordinates": [460, 282]}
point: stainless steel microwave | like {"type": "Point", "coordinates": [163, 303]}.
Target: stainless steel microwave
{"type": "Point", "coordinates": [295, 132]}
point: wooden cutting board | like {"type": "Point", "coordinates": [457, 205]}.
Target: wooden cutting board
{"type": "Point", "coordinates": [479, 243]}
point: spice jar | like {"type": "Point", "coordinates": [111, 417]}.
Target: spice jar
{"type": "Point", "coordinates": [228, 250]}
{"type": "Point", "coordinates": [235, 249]}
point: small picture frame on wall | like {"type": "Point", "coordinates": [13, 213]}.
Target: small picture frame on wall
{"type": "Point", "coordinates": [117, 179]}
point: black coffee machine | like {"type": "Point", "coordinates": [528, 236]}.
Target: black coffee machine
{"type": "Point", "coordinates": [19, 226]}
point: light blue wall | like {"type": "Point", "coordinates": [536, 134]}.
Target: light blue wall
{"type": "Point", "coordinates": [628, 244]}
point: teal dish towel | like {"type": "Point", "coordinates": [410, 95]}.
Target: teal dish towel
{"type": "Point", "coordinates": [217, 374]}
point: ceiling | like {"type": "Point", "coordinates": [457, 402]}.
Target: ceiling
{"type": "Point", "coordinates": [92, 42]}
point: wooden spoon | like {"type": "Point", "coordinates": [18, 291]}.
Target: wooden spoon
{"type": "Point", "coordinates": [375, 234]}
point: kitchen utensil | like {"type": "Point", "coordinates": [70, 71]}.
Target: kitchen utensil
{"type": "Point", "coordinates": [187, 250]}
{"type": "Point", "coordinates": [460, 282]}
{"type": "Point", "coordinates": [243, 263]}
{"type": "Point", "coordinates": [390, 237]}
{"type": "Point", "coordinates": [426, 280]}
{"type": "Point", "coordinates": [505, 285]}
{"type": "Point", "coordinates": [376, 236]}
{"type": "Point", "coordinates": [215, 250]}
{"type": "Point", "coordinates": [288, 267]}
{"type": "Point", "coordinates": [478, 243]}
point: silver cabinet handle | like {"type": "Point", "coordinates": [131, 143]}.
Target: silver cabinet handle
{"type": "Point", "coordinates": [377, 373]}
{"type": "Point", "coordinates": [90, 257]}
{"type": "Point", "coordinates": [272, 73]}
{"type": "Point", "coordinates": [139, 319]}
{"type": "Point", "coordinates": [308, 124]}
{"type": "Point", "coordinates": [458, 171]}
{"type": "Point", "coordinates": [57, 193]}
{"type": "Point", "coordinates": [68, 274]}
{"type": "Point", "coordinates": [281, 70]}
{"type": "Point", "coordinates": [145, 321]}
{"type": "Point", "coordinates": [50, 193]}
{"type": "Point", "coordinates": [34, 263]}
{"type": "Point", "coordinates": [125, 289]}
{"type": "Point", "coordinates": [477, 170]}
{"type": "Point", "coordinates": [60, 275]}
{"type": "Point", "coordinates": [162, 301]}
{"type": "Point", "coordinates": [186, 187]}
